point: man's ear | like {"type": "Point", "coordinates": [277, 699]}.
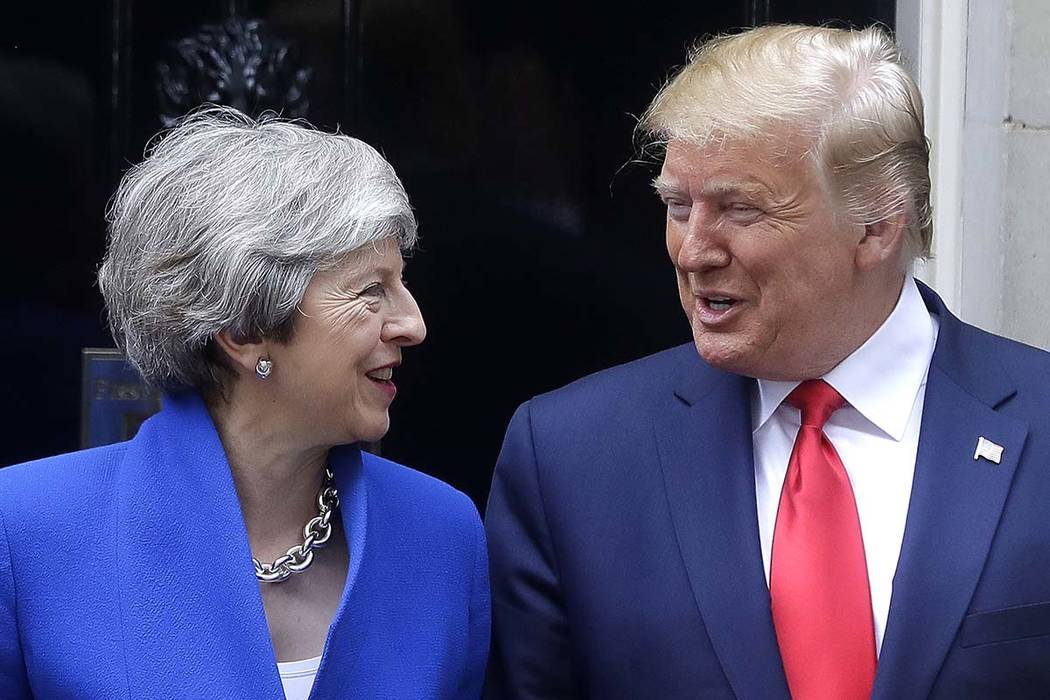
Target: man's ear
{"type": "Point", "coordinates": [882, 242]}
{"type": "Point", "coordinates": [243, 353]}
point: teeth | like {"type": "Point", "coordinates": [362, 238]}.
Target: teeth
{"type": "Point", "coordinates": [384, 374]}
{"type": "Point", "coordinates": [719, 303]}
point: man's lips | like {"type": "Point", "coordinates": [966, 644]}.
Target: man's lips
{"type": "Point", "coordinates": [716, 308]}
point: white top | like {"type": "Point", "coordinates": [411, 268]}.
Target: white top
{"type": "Point", "coordinates": [876, 434]}
{"type": "Point", "coordinates": [297, 677]}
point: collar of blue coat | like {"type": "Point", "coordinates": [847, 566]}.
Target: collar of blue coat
{"type": "Point", "coordinates": [190, 602]}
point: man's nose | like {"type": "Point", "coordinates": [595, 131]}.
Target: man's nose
{"type": "Point", "coordinates": [703, 246]}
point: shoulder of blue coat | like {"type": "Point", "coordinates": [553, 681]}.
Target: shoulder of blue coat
{"type": "Point", "coordinates": [1027, 367]}
{"type": "Point", "coordinates": [625, 387]}
{"type": "Point", "coordinates": [1023, 362]}
{"type": "Point", "coordinates": [415, 495]}
{"type": "Point", "coordinates": [53, 489]}
{"type": "Point", "coordinates": [1029, 371]}
{"type": "Point", "coordinates": [64, 472]}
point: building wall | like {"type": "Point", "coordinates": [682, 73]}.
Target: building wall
{"type": "Point", "coordinates": [992, 206]}
{"type": "Point", "coordinates": [1025, 135]}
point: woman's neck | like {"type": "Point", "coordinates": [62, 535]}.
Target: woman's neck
{"type": "Point", "coordinates": [277, 478]}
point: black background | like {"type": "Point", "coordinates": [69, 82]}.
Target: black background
{"type": "Point", "coordinates": [510, 123]}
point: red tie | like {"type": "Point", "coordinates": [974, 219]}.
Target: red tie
{"type": "Point", "coordinates": [819, 579]}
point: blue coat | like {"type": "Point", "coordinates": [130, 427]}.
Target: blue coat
{"type": "Point", "coordinates": [623, 537]}
{"type": "Point", "coordinates": [125, 572]}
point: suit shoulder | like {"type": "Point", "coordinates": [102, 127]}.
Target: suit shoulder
{"type": "Point", "coordinates": [625, 385]}
{"type": "Point", "coordinates": [1026, 363]}
{"type": "Point", "coordinates": [1028, 366]}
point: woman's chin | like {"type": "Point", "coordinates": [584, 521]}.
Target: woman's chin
{"type": "Point", "coordinates": [373, 431]}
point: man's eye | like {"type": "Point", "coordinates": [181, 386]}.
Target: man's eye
{"type": "Point", "coordinates": [742, 208]}
{"type": "Point", "coordinates": [679, 211]}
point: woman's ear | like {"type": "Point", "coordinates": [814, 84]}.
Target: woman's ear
{"type": "Point", "coordinates": [243, 353]}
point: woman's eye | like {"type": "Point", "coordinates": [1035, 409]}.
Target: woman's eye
{"type": "Point", "coordinates": [374, 290]}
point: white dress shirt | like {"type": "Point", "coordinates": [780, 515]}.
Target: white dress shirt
{"type": "Point", "coordinates": [876, 434]}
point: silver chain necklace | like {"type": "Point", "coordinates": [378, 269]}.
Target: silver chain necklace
{"type": "Point", "coordinates": [316, 534]}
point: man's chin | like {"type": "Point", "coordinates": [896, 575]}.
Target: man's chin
{"type": "Point", "coordinates": [722, 355]}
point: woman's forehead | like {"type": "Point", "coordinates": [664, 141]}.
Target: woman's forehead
{"type": "Point", "coordinates": [379, 256]}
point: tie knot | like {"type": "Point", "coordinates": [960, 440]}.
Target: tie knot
{"type": "Point", "coordinates": [817, 400]}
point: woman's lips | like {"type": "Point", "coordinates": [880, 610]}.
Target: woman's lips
{"type": "Point", "coordinates": [383, 378]}
{"type": "Point", "coordinates": [385, 385]}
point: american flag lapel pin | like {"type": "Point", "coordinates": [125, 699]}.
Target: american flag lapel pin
{"type": "Point", "coordinates": [988, 450]}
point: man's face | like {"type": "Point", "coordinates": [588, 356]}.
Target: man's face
{"type": "Point", "coordinates": [766, 271]}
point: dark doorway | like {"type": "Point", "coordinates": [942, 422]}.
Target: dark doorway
{"type": "Point", "coordinates": [510, 123]}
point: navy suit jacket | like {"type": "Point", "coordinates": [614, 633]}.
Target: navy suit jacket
{"type": "Point", "coordinates": [624, 548]}
{"type": "Point", "coordinates": [125, 572]}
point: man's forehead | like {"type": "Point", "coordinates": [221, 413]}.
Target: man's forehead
{"type": "Point", "coordinates": [771, 147]}
{"type": "Point", "coordinates": [724, 166]}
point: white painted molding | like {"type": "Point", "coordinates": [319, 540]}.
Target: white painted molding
{"type": "Point", "coordinates": [933, 36]}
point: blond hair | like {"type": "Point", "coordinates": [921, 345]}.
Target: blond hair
{"type": "Point", "coordinates": [844, 91]}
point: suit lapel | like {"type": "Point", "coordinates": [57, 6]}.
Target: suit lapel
{"type": "Point", "coordinates": [955, 505]}
{"type": "Point", "coordinates": [705, 447]}
{"type": "Point", "coordinates": [193, 619]}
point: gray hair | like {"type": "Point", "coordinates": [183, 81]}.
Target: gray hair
{"type": "Point", "coordinates": [845, 91]}
{"type": "Point", "coordinates": [223, 226]}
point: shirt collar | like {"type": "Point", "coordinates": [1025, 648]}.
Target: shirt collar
{"type": "Point", "coordinates": [882, 377]}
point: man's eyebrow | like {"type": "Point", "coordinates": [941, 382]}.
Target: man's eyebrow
{"type": "Point", "coordinates": [720, 188]}
{"type": "Point", "coordinates": [666, 187]}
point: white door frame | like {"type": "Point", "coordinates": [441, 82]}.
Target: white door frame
{"type": "Point", "coordinates": [933, 36]}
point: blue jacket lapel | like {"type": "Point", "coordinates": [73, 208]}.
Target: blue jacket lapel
{"type": "Point", "coordinates": [705, 446]}
{"type": "Point", "coordinates": [956, 502]}
{"type": "Point", "coordinates": [350, 626]}
{"type": "Point", "coordinates": [192, 615]}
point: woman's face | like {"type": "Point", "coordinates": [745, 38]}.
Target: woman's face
{"type": "Point", "coordinates": [335, 377]}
